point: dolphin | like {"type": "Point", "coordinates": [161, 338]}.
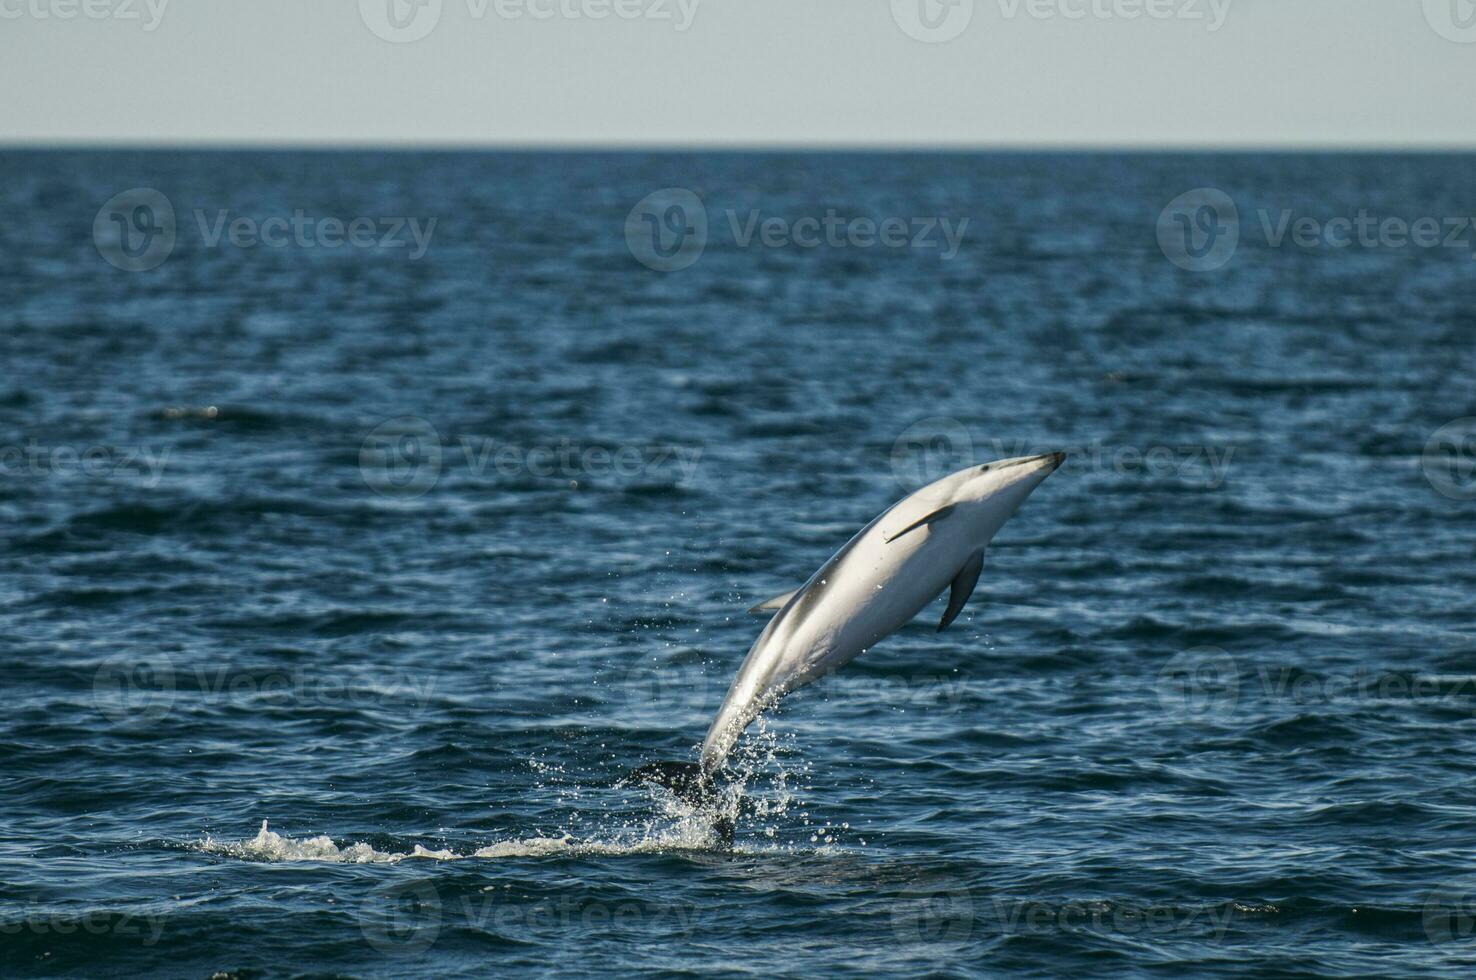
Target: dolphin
{"type": "Point", "coordinates": [875, 584]}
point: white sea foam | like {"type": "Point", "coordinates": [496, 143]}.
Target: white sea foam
{"type": "Point", "coordinates": [268, 845]}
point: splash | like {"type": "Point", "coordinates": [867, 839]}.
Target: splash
{"type": "Point", "coordinates": [768, 779]}
{"type": "Point", "coordinates": [761, 796]}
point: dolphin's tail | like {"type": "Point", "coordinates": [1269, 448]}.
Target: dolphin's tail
{"type": "Point", "coordinates": [686, 779]}
{"type": "Point", "coordinates": [691, 783]}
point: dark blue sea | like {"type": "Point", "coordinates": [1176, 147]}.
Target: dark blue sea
{"type": "Point", "coordinates": [344, 572]}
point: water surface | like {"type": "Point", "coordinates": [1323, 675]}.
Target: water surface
{"type": "Point", "coordinates": [338, 586]}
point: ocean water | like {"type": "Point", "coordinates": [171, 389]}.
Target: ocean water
{"type": "Point", "coordinates": [340, 581]}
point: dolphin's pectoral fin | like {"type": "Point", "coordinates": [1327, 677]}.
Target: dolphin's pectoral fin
{"type": "Point", "coordinates": [774, 604]}
{"type": "Point", "coordinates": [936, 515]}
{"type": "Point", "coordinates": [963, 587]}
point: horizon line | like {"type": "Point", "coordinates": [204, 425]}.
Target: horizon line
{"type": "Point", "coordinates": [715, 146]}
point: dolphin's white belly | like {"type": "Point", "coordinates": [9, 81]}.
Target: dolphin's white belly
{"type": "Point", "coordinates": [885, 585]}
{"type": "Point", "coordinates": [866, 592]}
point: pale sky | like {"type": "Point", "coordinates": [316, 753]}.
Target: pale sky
{"type": "Point", "coordinates": [769, 72]}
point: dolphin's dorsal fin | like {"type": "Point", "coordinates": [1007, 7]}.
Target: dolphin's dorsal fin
{"type": "Point", "coordinates": [962, 588]}
{"type": "Point", "coordinates": [776, 603]}
{"type": "Point", "coordinates": [936, 515]}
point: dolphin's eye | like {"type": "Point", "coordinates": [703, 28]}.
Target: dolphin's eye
{"type": "Point", "coordinates": [984, 468]}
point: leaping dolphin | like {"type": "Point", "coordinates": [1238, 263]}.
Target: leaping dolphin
{"type": "Point", "coordinates": [893, 567]}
